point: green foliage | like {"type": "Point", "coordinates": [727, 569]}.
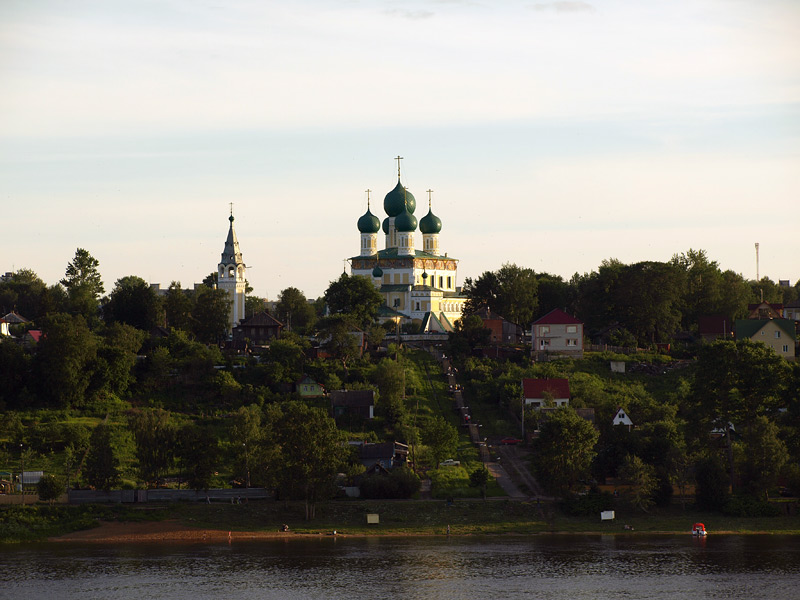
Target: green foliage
{"type": "Point", "coordinates": [564, 450]}
{"type": "Point", "coordinates": [49, 488]}
{"type": "Point", "coordinates": [747, 506]}
{"type": "Point", "coordinates": [441, 437]}
{"type": "Point", "coordinates": [711, 491]}
{"type": "Point", "coordinates": [400, 483]}
{"type": "Point", "coordinates": [640, 481]}
{"type": "Point", "coordinates": [479, 478]}
{"type": "Point", "coordinates": [210, 314]}
{"type": "Point", "coordinates": [590, 504]}
{"type": "Point", "coordinates": [155, 434]}
{"type": "Point", "coordinates": [294, 310]}
{"type": "Point", "coordinates": [354, 297]}
{"type": "Point", "coordinates": [198, 451]}
{"type": "Point", "coordinates": [764, 457]}
{"type": "Point", "coordinates": [84, 285]}
{"type": "Point", "coordinates": [135, 303]}
{"type": "Point", "coordinates": [101, 468]}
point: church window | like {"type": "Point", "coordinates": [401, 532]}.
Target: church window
{"type": "Point", "coordinates": [449, 282]}
{"type": "Point", "coordinates": [417, 305]}
{"type": "Point", "coordinates": [441, 281]}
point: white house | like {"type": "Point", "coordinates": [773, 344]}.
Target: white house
{"type": "Point", "coordinates": [621, 418]}
{"type": "Point", "coordinates": [557, 333]}
{"type": "Point", "coordinates": [541, 392]}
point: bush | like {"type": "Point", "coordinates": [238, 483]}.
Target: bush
{"type": "Point", "coordinates": [747, 506]}
{"type": "Point", "coordinates": [400, 483]}
{"type": "Point", "coordinates": [590, 504]}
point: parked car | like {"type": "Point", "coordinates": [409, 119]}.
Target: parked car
{"type": "Point", "coordinates": [510, 441]}
{"type": "Point", "coordinates": [449, 463]}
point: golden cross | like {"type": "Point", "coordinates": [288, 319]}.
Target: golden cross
{"type": "Point", "coordinates": [429, 198]}
{"type": "Point", "coordinates": [398, 158]}
{"type": "Point", "coordinates": [368, 191]}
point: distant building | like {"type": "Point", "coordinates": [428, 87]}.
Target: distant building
{"type": "Point", "coordinates": [231, 273]}
{"type": "Point", "coordinates": [764, 310]}
{"type": "Point", "coordinates": [556, 333]}
{"type": "Point", "coordinates": [545, 392]}
{"type": "Point", "coordinates": [714, 327]}
{"type": "Point", "coordinates": [258, 329]}
{"type": "Point", "coordinates": [353, 402]}
{"type": "Point", "coordinates": [621, 418]}
{"type": "Point", "coordinates": [778, 334]}
{"type": "Point", "coordinates": [421, 285]}
{"type": "Point", "coordinates": [308, 388]}
{"type": "Point", "coordinates": [501, 330]}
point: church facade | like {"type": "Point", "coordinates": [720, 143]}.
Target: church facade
{"type": "Point", "coordinates": [420, 286]}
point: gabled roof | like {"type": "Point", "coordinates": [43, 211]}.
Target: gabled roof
{"type": "Point", "coordinates": [14, 318]}
{"type": "Point", "coordinates": [747, 328]}
{"type": "Point", "coordinates": [557, 317]}
{"type": "Point", "coordinates": [774, 306]}
{"type": "Point", "coordinates": [36, 334]}
{"type": "Point", "coordinates": [713, 325]}
{"type": "Point", "coordinates": [389, 312]}
{"type": "Point", "coordinates": [352, 398]}
{"type": "Point", "coordinates": [262, 319]}
{"type": "Point", "coordinates": [536, 388]}
{"type": "Point", "coordinates": [307, 380]}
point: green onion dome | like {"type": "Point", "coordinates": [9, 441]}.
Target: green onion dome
{"type": "Point", "coordinates": [369, 223]}
{"type": "Point", "coordinates": [430, 223]}
{"type": "Point", "coordinates": [386, 226]}
{"type": "Point", "coordinates": [399, 200]}
{"type": "Point", "coordinates": [377, 272]}
{"type": "Point", "coordinates": [405, 222]}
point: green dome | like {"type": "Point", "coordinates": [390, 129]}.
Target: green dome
{"type": "Point", "coordinates": [377, 272]}
{"type": "Point", "coordinates": [405, 222]}
{"type": "Point", "coordinates": [369, 223]}
{"type": "Point", "coordinates": [430, 223]}
{"type": "Point", "coordinates": [386, 226]}
{"type": "Point", "coordinates": [398, 200]}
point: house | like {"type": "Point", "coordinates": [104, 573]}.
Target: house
{"type": "Point", "coordinates": [11, 318]}
{"type": "Point", "coordinates": [32, 336]}
{"type": "Point", "coordinates": [714, 327]}
{"type": "Point", "coordinates": [556, 333]}
{"type": "Point", "coordinates": [764, 310]}
{"type": "Point", "coordinates": [778, 334]}
{"type": "Point", "coordinates": [792, 310]}
{"type": "Point", "coordinates": [259, 329]}
{"type": "Point", "coordinates": [387, 454]}
{"type": "Point", "coordinates": [501, 330]}
{"type": "Point", "coordinates": [545, 392]}
{"type": "Point", "coordinates": [353, 402]}
{"type": "Point", "coordinates": [4, 327]}
{"type": "Point", "coordinates": [621, 418]}
{"type": "Point", "coordinates": [308, 388]}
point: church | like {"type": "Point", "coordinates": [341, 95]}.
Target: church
{"type": "Point", "coordinates": [419, 286]}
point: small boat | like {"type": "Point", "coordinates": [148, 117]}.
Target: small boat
{"type": "Point", "coordinates": [699, 529]}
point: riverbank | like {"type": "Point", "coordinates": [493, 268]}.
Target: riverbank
{"type": "Point", "coordinates": [264, 520]}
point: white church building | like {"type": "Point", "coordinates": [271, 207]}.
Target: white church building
{"type": "Point", "coordinates": [420, 286]}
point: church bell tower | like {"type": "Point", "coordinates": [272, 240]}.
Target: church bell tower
{"type": "Point", "coordinates": [231, 274]}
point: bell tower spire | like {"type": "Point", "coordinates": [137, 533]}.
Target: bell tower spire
{"type": "Point", "coordinates": [231, 273]}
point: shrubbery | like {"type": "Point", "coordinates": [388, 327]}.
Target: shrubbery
{"type": "Point", "coordinates": [400, 483]}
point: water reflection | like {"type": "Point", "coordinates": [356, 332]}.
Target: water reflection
{"type": "Point", "coordinates": [548, 567]}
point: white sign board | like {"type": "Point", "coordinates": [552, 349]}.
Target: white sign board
{"type": "Point", "coordinates": [607, 515]}
{"type": "Point", "coordinates": [372, 518]}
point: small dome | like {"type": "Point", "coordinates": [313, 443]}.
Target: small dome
{"type": "Point", "coordinates": [369, 223]}
{"type": "Point", "coordinates": [398, 200]}
{"type": "Point", "coordinates": [377, 272]}
{"type": "Point", "coordinates": [430, 223]}
{"type": "Point", "coordinates": [386, 226]}
{"type": "Point", "coordinates": [405, 222]}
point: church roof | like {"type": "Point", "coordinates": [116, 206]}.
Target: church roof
{"type": "Point", "coordinates": [369, 223]}
{"type": "Point", "coordinates": [399, 200]}
{"type": "Point", "coordinates": [392, 253]}
{"type": "Point", "coordinates": [231, 253]}
{"type": "Point", "coordinates": [430, 223]}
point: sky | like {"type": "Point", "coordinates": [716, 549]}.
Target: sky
{"type": "Point", "coordinates": [554, 134]}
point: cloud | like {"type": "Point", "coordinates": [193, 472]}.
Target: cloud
{"type": "Point", "coordinates": [414, 15]}
{"type": "Point", "coordinates": [564, 6]}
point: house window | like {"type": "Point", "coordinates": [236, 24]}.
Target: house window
{"type": "Point", "coordinates": [544, 343]}
{"type": "Point", "coordinates": [777, 334]}
{"type": "Point", "coordinates": [572, 329]}
{"type": "Point", "coordinates": [785, 348]}
{"type": "Point", "coordinates": [573, 343]}
{"type": "Point", "coordinates": [544, 329]}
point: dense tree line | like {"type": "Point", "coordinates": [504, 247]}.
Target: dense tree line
{"type": "Point", "coordinates": [641, 303]}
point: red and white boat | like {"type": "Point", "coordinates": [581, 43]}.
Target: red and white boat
{"type": "Point", "coordinates": [699, 529]}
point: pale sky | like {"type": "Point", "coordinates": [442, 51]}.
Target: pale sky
{"type": "Point", "coordinates": [553, 134]}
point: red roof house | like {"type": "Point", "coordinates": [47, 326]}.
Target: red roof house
{"type": "Point", "coordinates": [545, 392]}
{"type": "Point", "coordinates": [557, 333]}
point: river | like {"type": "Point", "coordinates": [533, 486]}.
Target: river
{"type": "Point", "coordinates": [432, 568]}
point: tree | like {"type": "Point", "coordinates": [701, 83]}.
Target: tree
{"type": "Point", "coordinates": [211, 314]}
{"type": "Point", "coordinates": [198, 450]}
{"type": "Point", "coordinates": [25, 293]}
{"type": "Point", "coordinates": [178, 307]}
{"type": "Point", "coordinates": [765, 455]}
{"type": "Point", "coordinates": [711, 484]}
{"type": "Point", "coordinates": [479, 478]}
{"type": "Point", "coordinates": [50, 488]}
{"type": "Point", "coordinates": [310, 455]}
{"type": "Point", "coordinates": [64, 359]}
{"type": "Point", "coordinates": [468, 334]}
{"type": "Point", "coordinates": [339, 338]}
{"type": "Point", "coordinates": [294, 310]}
{"type": "Point", "coordinates": [83, 283]}
{"type": "Point", "coordinates": [511, 292]}
{"type": "Point", "coordinates": [134, 302]}
{"type": "Point", "coordinates": [155, 435]}
{"type": "Point", "coordinates": [355, 297]}
{"type": "Point", "coordinates": [101, 470]}
{"type": "Point", "coordinates": [641, 481]}
{"type": "Point", "coordinates": [734, 383]}
{"type": "Point", "coordinates": [116, 357]}
{"type": "Point", "coordinates": [441, 438]}
{"type": "Point", "coordinates": [564, 450]}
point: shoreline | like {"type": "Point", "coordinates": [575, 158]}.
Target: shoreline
{"type": "Point", "coordinates": [115, 532]}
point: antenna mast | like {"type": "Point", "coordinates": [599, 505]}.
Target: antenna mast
{"type": "Point", "coordinates": [758, 278]}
